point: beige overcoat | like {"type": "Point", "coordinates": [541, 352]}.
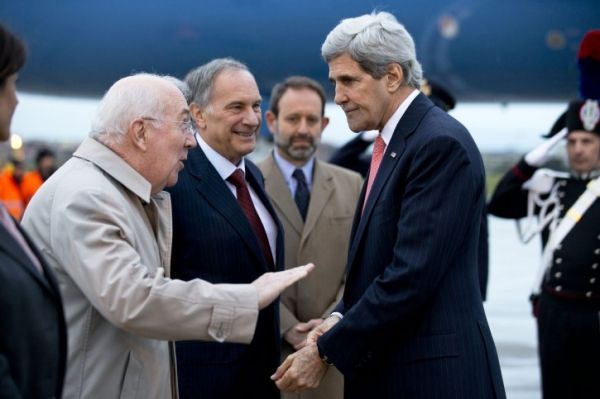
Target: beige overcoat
{"type": "Point", "coordinates": [109, 240]}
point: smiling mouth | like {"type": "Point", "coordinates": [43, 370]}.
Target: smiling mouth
{"type": "Point", "coordinates": [245, 134]}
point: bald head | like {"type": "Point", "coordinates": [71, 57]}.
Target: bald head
{"type": "Point", "coordinates": [137, 96]}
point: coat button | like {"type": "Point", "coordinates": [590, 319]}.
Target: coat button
{"type": "Point", "coordinates": [594, 266]}
{"type": "Point", "coordinates": [588, 294]}
{"type": "Point", "coordinates": [558, 274]}
{"type": "Point", "coordinates": [597, 251]}
{"type": "Point", "coordinates": [558, 261]}
{"type": "Point", "coordinates": [558, 288]}
{"type": "Point", "coordinates": [592, 280]}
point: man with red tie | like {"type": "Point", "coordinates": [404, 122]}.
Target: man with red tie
{"type": "Point", "coordinates": [411, 323]}
{"type": "Point", "coordinates": [225, 230]}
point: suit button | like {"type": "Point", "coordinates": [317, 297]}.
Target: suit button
{"type": "Point", "coordinates": [558, 261]}
{"type": "Point", "coordinates": [558, 274]}
{"type": "Point", "coordinates": [592, 280]}
{"type": "Point", "coordinates": [588, 294]}
{"type": "Point", "coordinates": [597, 251]}
{"type": "Point", "coordinates": [558, 288]}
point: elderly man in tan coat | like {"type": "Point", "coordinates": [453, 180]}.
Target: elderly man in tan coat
{"type": "Point", "coordinates": [315, 202]}
{"type": "Point", "coordinates": [104, 224]}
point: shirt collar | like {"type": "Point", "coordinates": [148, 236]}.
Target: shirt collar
{"type": "Point", "coordinates": [390, 126]}
{"type": "Point", "coordinates": [287, 168]}
{"type": "Point", "coordinates": [223, 166]}
{"type": "Point", "coordinates": [586, 176]}
{"type": "Point", "coordinates": [115, 166]}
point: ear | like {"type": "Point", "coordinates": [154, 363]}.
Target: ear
{"type": "Point", "coordinates": [394, 76]}
{"type": "Point", "coordinates": [271, 121]}
{"type": "Point", "coordinates": [138, 134]}
{"type": "Point", "coordinates": [199, 116]}
{"type": "Point", "coordinates": [324, 122]}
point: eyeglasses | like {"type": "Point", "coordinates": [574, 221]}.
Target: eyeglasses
{"type": "Point", "coordinates": [186, 126]}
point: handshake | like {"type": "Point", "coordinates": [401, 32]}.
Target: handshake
{"type": "Point", "coordinates": [304, 368]}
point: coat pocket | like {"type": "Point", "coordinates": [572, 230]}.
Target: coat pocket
{"type": "Point", "coordinates": [429, 347]}
{"type": "Point", "coordinates": [132, 377]}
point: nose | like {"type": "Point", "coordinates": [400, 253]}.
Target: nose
{"type": "Point", "coordinates": [190, 141]}
{"type": "Point", "coordinates": [252, 118]}
{"type": "Point", "coordinates": [340, 96]}
{"type": "Point", "coordinates": [578, 148]}
{"type": "Point", "coordinates": [303, 128]}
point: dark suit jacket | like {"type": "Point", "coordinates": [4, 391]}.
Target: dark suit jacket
{"type": "Point", "coordinates": [414, 324]}
{"type": "Point", "coordinates": [352, 156]}
{"type": "Point", "coordinates": [33, 338]}
{"type": "Point", "coordinates": [213, 240]}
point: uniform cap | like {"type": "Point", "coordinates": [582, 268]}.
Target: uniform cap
{"type": "Point", "coordinates": [438, 95]}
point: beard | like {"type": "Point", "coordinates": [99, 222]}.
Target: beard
{"type": "Point", "coordinates": [298, 153]}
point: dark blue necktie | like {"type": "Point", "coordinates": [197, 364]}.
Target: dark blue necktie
{"type": "Point", "coordinates": [302, 196]}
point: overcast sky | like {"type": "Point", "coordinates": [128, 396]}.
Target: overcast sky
{"type": "Point", "coordinates": [495, 127]}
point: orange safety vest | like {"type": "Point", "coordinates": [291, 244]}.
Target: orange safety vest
{"type": "Point", "coordinates": [29, 185]}
{"type": "Point", "coordinates": [10, 194]}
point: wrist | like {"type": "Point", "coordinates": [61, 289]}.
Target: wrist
{"type": "Point", "coordinates": [322, 355]}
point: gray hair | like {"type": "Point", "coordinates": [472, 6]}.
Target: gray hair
{"type": "Point", "coordinates": [182, 86]}
{"type": "Point", "coordinates": [202, 79]}
{"type": "Point", "coordinates": [129, 98]}
{"type": "Point", "coordinates": [374, 41]}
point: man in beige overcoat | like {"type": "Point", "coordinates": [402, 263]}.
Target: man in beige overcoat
{"type": "Point", "coordinates": [315, 202]}
{"type": "Point", "coordinates": [104, 224]}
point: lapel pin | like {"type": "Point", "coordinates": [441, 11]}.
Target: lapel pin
{"type": "Point", "coordinates": [393, 155]}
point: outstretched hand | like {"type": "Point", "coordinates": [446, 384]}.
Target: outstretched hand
{"type": "Point", "coordinates": [270, 285]}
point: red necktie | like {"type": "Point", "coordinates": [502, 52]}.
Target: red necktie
{"type": "Point", "coordinates": [245, 201]}
{"type": "Point", "coordinates": [378, 150]}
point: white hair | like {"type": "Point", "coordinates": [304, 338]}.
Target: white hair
{"type": "Point", "coordinates": [374, 41]}
{"type": "Point", "coordinates": [140, 95]}
{"type": "Point", "coordinates": [182, 86]}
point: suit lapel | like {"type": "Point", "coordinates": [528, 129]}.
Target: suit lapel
{"type": "Point", "coordinates": [281, 197]}
{"type": "Point", "coordinates": [214, 190]}
{"type": "Point", "coordinates": [10, 245]}
{"type": "Point", "coordinates": [255, 179]}
{"type": "Point", "coordinates": [393, 153]}
{"type": "Point", "coordinates": [322, 189]}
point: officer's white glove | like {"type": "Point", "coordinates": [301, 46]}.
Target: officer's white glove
{"type": "Point", "coordinates": [539, 155]}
